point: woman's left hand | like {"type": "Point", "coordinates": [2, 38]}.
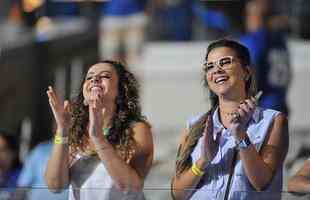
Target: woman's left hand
{"type": "Point", "coordinates": [242, 115]}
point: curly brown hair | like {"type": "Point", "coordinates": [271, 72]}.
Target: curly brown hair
{"type": "Point", "coordinates": [128, 111]}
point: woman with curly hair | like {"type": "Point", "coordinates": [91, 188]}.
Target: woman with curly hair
{"type": "Point", "coordinates": [103, 145]}
{"type": "Point", "coordinates": [236, 148]}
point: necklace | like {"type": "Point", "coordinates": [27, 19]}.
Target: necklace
{"type": "Point", "coordinates": [106, 131]}
{"type": "Point", "coordinates": [227, 113]}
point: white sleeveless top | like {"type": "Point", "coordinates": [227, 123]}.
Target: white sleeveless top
{"type": "Point", "coordinates": [89, 180]}
{"type": "Point", "coordinates": [213, 184]}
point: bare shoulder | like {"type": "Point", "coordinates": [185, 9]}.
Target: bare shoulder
{"type": "Point", "coordinates": [141, 130]}
{"type": "Point", "coordinates": [142, 134]}
{"type": "Point", "coordinates": [140, 125]}
{"type": "Point", "coordinates": [281, 120]}
{"type": "Point", "coordinates": [278, 132]}
{"type": "Point", "coordinates": [279, 127]}
{"type": "Point", "coordinates": [276, 145]}
{"type": "Point", "coordinates": [143, 159]}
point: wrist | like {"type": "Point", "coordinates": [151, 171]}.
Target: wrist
{"type": "Point", "coordinates": [243, 143]}
{"type": "Point", "coordinates": [239, 135]}
{"type": "Point", "coordinates": [59, 139]}
{"type": "Point", "coordinates": [61, 131]}
{"type": "Point", "coordinates": [197, 170]}
{"type": "Point", "coordinates": [99, 140]}
{"type": "Point", "coordinates": [102, 145]}
{"type": "Point", "coordinates": [202, 163]}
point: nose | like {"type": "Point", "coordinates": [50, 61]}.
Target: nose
{"type": "Point", "coordinates": [95, 79]}
{"type": "Point", "coordinates": [217, 69]}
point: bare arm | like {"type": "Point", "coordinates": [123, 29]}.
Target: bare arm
{"type": "Point", "coordinates": [301, 181]}
{"type": "Point", "coordinates": [271, 156]}
{"type": "Point", "coordinates": [57, 171]}
{"type": "Point", "coordinates": [183, 185]}
{"type": "Point", "coordinates": [128, 177]}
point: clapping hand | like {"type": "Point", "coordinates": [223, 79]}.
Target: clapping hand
{"type": "Point", "coordinates": [210, 145]}
{"type": "Point", "coordinates": [60, 109]}
{"type": "Point", "coordinates": [245, 111]}
{"type": "Point", "coordinates": [96, 112]}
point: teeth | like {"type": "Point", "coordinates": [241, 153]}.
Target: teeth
{"type": "Point", "coordinates": [95, 88]}
{"type": "Point", "coordinates": [221, 79]}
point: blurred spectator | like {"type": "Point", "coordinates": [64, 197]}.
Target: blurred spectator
{"type": "Point", "coordinates": [276, 13]}
{"type": "Point", "coordinates": [219, 18]}
{"type": "Point", "coordinates": [5, 6]}
{"type": "Point", "coordinates": [300, 13]}
{"type": "Point", "coordinates": [300, 182]}
{"type": "Point", "coordinates": [31, 179]}
{"type": "Point", "coordinates": [216, 22]}
{"type": "Point", "coordinates": [35, 10]}
{"type": "Point", "coordinates": [270, 56]}
{"type": "Point", "coordinates": [32, 11]}
{"type": "Point", "coordinates": [176, 19]}
{"type": "Point", "coordinates": [9, 164]}
{"type": "Point", "coordinates": [61, 9]}
{"type": "Point", "coordinates": [122, 29]}
{"type": "Point", "coordinates": [172, 20]}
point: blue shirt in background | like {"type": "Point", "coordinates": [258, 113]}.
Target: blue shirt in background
{"type": "Point", "coordinates": [60, 9]}
{"type": "Point", "coordinates": [32, 174]}
{"type": "Point", "coordinates": [9, 183]}
{"type": "Point", "coordinates": [270, 59]}
{"type": "Point", "coordinates": [123, 7]}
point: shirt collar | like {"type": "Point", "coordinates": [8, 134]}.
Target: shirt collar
{"type": "Point", "coordinates": [217, 123]}
{"type": "Point", "coordinates": [257, 115]}
{"type": "Point", "coordinates": [216, 119]}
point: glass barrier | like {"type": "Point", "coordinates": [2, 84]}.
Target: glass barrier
{"type": "Point", "coordinates": [147, 194]}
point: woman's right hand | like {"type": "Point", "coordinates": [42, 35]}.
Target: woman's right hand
{"type": "Point", "coordinates": [60, 110]}
{"type": "Point", "coordinates": [210, 146]}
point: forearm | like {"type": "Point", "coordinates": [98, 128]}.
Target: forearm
{"type": "Point", "coordinates": [254, 167]}
{"type": "Point", "coordinates": [299, 184]}
{"type": "Point", "coordinates": [57, 171]}
{"type": "Point", "coordinates": [184, 185]}
{"type": "Point", "coordinates": [124, 176]}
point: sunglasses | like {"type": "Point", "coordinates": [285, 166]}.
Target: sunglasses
{"type": "Point", "coordinates": [223, 63]}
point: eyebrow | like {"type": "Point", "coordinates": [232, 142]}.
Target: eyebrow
{"type": "Point", "coordinates": [101, 72]}
{"type": "Point", "coordinates": [211, 62]}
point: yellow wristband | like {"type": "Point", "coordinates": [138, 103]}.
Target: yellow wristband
{"type": "Point", "coordinates": [60, 140]}
{"type": "Point", "coordinates": [195, 169]}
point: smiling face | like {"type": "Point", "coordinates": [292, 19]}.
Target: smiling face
{"type": "Point", "coordinates": [224, 72]}
{"type": "Point", "coordinates": [103, 78]}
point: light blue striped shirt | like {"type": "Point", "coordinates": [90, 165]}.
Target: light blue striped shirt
{"type": "Point", "coordinates": [213, 184]}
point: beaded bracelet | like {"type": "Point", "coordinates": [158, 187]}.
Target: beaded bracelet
{"type": "Point", "coordinates": [195, 169]}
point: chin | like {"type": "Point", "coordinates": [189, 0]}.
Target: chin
{"type": "Point", "coordinates": [222, 90]}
